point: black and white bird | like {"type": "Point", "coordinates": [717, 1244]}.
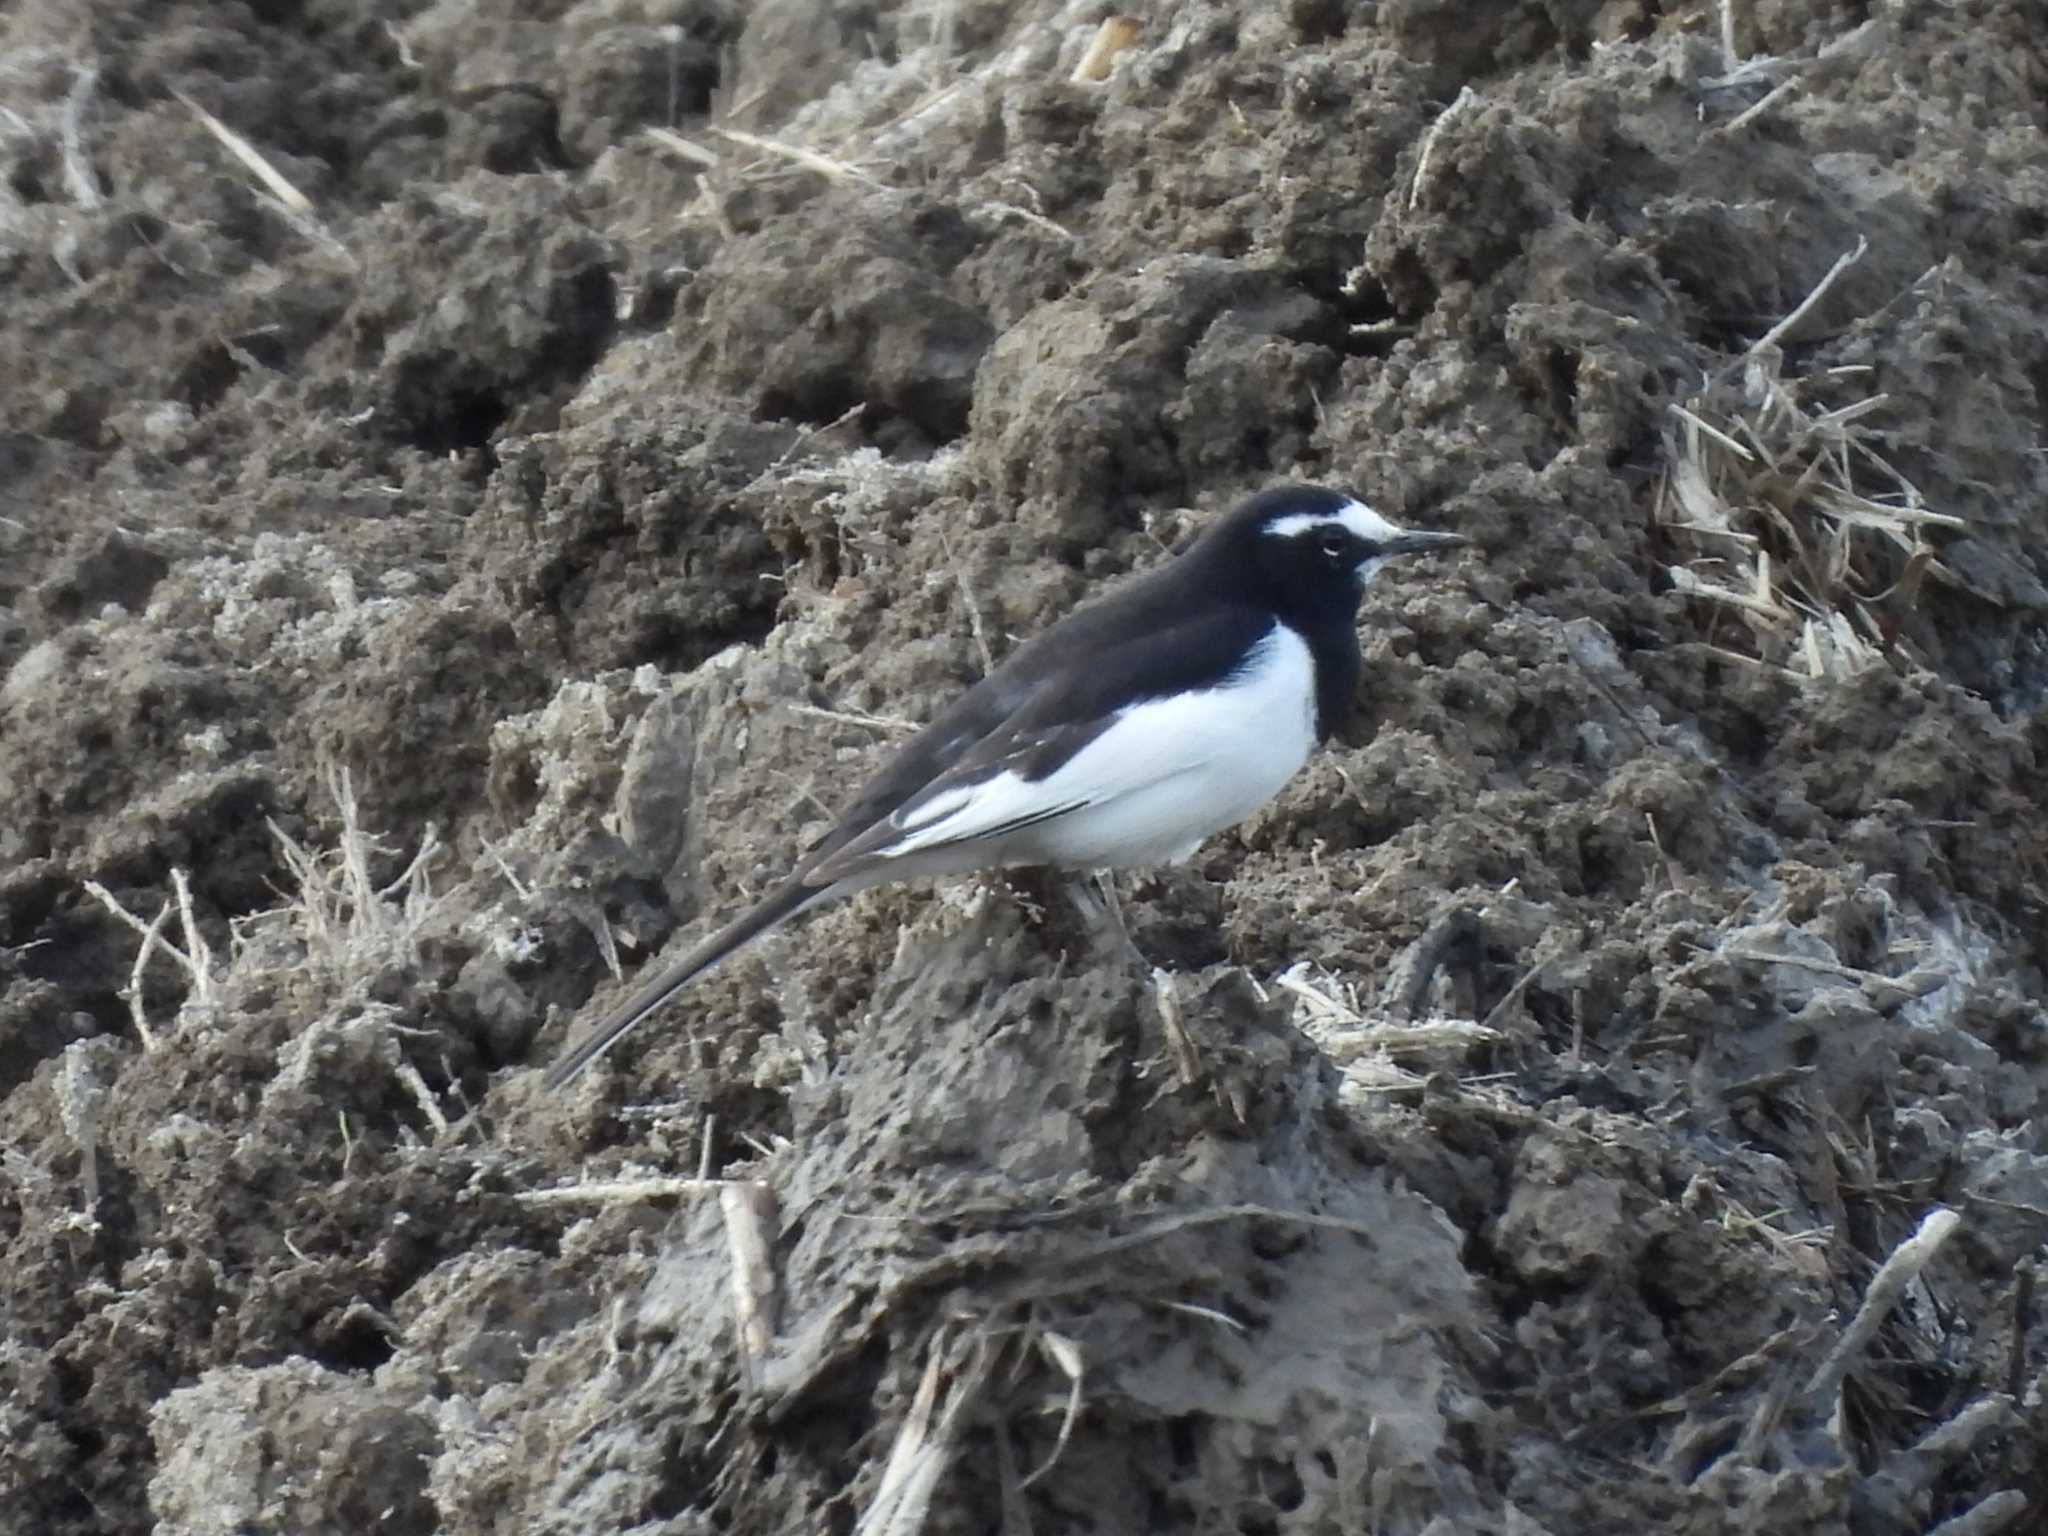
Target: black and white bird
{"type": "Point", "coordinates": [1127, 734]}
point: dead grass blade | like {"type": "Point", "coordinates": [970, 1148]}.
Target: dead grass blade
{"type": "Point", "coordinates": [252, 160]}
{"type": "Point", "coordinates": [291, 204]}
{"type": "Point", "coordinates": [797, 154]}
{"type": "Point", "coordinates": [956, 1368]}
{"type": "Point", "coordinates": [79, 180]}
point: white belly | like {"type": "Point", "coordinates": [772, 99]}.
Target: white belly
{"type": "Point", "coordinates": [1173, 772]}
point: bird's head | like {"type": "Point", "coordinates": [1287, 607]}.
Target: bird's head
{"type": "Point", "coordinates": [1317, 549]}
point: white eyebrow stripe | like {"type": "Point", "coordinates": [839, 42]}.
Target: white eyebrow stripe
{"type": "Point", "coordinates": [1354, 517]}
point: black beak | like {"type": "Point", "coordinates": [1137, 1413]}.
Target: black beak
{"type": "Point", "coordinates": [1422, 541]}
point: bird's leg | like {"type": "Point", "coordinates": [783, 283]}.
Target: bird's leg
{"type": "Point", "coordinates": [1113, 905]}
{"type": "Point", "coordinates": [1102, 914]}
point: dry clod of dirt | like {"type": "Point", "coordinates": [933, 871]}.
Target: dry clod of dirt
{"type": "Point", "coordinates": [481, 481]}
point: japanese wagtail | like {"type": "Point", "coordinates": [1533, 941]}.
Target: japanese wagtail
{"type": "Point", "coordinates": [1126, 734]}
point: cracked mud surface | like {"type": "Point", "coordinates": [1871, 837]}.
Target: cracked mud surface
{"type": "Point", "coordinates": [479, 564]}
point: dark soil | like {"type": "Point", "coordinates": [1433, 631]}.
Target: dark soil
{"type": "Point", "coordinates": [489, 562]}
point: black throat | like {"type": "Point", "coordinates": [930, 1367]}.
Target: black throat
{"type": "Point", "coordinates": [1333, 645]}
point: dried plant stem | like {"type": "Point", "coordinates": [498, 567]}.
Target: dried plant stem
{"type": "Point", "coordinates": [797, 154]}
{"type": "Point", "coordinates": [752, 1222]}
{"type": "Point", "coordinates": [1778, 332]}
{"type": "Point", "coordinates": [1886, 1287]}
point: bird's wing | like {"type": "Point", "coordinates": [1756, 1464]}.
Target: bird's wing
{"type": "Point", "coordinates": [1057, 663]}
{"type": "Point", "coordinates": [982, 799]}
{"type": "Point", "coordinates": [1034, 766]}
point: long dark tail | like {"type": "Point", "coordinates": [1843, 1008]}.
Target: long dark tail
{"type": "Point", "coordinates": [769, 914]}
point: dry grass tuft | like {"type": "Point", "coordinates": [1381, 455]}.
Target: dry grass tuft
{"type": "Point", "coordinates": [351, 927]}
{"type": "Point", "coordinates": [1809, 539]}
{"type": "Point", "coordinates": [349, 931]}
{"type": "Point", "coordinates": [1371, 1049]}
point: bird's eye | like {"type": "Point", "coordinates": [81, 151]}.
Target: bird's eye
{"type": "Point", "coordinates": [1333, 546]}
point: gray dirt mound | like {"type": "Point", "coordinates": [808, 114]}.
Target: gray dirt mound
{"type": "Point", "coordinates": [482, 481]}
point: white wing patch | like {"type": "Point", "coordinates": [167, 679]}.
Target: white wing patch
{"type": "Point", "coordinates": [915, 818]}
{"type": "Point", "coordinates": [973, 810]}
{"type": "Point", "coordinates": [1159, 781]}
